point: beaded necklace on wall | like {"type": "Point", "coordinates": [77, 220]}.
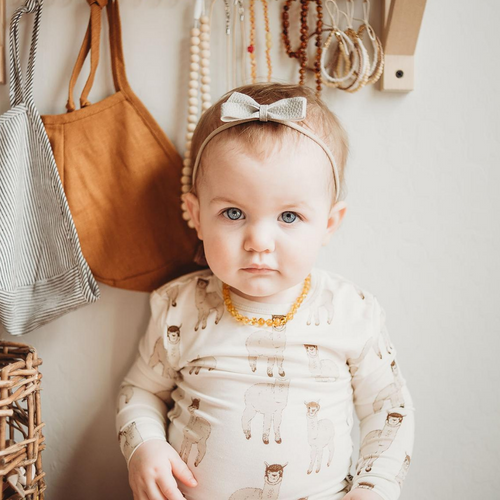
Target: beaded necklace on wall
{"type": "Point", "coordinates": [241, 16]}
{"type": "Point", "coordinates": [363, 69]}
{"type": "Point", "coordinates": [251, 46]}
{"type": "Point", "coordinates": [301, 53]}
{"type": "Point", "coordinates": [199, 64]}
{"type": "Point", "coordinates": [377, 66]}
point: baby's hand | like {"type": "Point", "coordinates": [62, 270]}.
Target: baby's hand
{"type": "Point", "coordinates": [152, 469]}
{"type": "Point", "coordinates": [362, 494]}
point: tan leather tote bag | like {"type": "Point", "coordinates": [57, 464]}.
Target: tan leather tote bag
{"type": "Point", "coordinates": [121, 175]}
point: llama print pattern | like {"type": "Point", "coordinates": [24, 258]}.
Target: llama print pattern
{"type": "Point", "coordinates": [270, 400]}
{"type": "Point", "coordinates": [378, 441]}
{"type": "Point", "coordinates": [208, 362]}
{"type": "Point", "coordinates": [348, 478]}
{"type": "Point", "coordinates": [129, 438]}
{"type": "Point", "coordinates": [207, 302]}
{"type": "Point", "coordinates": [325, 370]}
{"type": "Point", "coordinates": [371, 343]}
{"type": "Point", "coordinates": [177, 395]}
{"type": "Point", "coordinates": [169, 356]}
{"type": "Point", "coordinates": [169, 294]}
{"type": "Point", "coordinates": [403, 471]}
{"type": "Point", "coordinates": [325, 301]}
{"type": "Point", "coordinates": [196, 432]}
{"type": "Point", "coordinates": [273, 477]}
{"type": "Point", "coordinates": [124, 396]}
{"type": "Point", "coordinates": [320, 434]}
{"type": "Point", "coordinates": [392, 392]}
{"type": "Point", "coordinates": [269, 344]}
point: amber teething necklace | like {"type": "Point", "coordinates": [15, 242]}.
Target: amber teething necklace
{"type": "Point", "coordinates": [277, 321]}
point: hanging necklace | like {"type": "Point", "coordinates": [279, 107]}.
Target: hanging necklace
{"type": "Point", "coordinates": [277, 321]}
{"type": "Point", "coordinates": [301, 53]}
{"type": "Point", "coordinates": [251, 47]}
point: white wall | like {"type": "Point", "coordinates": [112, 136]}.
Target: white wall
{"type": "Point", "coordinates": [421, 233]}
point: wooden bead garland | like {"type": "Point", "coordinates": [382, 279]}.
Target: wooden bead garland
{"type": "Point", "coordinates": [199, 89]}
{"type": "Point", "coordinates": [251, 46]}
{"type": "Point", "coordinates": [301, 53]}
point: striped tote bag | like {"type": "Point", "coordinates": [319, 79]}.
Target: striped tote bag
{"type": "Point", "coordinates": [43, 273]}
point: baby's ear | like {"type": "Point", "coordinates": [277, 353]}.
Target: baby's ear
{"type": "Point", "coordinates": [335, 217]}
{"type": "Point", "coordinates": [193, 207]}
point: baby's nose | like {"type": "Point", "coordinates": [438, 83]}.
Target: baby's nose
{"type": "Point", "coordinates": [259, 237]}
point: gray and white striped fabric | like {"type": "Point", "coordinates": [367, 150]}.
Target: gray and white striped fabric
{"type": "Point", "coordinates": [43, 273]}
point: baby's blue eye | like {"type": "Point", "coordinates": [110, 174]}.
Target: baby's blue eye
{"type": "Point", "coordinates": [288, 217]}
{"type": "Point", "coordinates": [233, 213]}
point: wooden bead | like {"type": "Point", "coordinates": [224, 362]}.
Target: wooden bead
{"type": "Point", "coordinates": [195, 49]}
{"type": "Point", "coordinates": [193, 110]}
{"type": "Point", "coordinates": [205, 71]}
{"type": "Point", "coordinates": [193, 75]}
{"type": "Point", "coordinates": [205, 79]}
{"type": "Point", "coordinates": [195, 40]}
{"type": "Point", "coordinates": [187, 171]}
{"type": "Point", "coordinates": [206, 96]}
{"type": "Point", "coordinates": [205, 45]}
{"type": "Point", "coordinates": [192, 92]}
{"type": "Point", "coordinates": [195, 32]}
{"type": "Point", "coordinates": [185, 179]}
{"type": "Point", "coordinates": [204, 37]}
{"type": "Point", "coordinates": [193, 84]}
{"type": "Point", "coordinates": [205, 54]}
{"type": "Point", "coordinates": [192, 119]}
{"type": "Point", "coordinates": [195, 58]}
{"type": "Point", "coordinates": [205, 89]}
{"type": "Point", "coordinates": [205, 28]}
{"type": "Point", "coordinates": [185, 188]}
{"type": "Point", "coordinates": [205, 106]}
{"type": "Point", "coordinates": [195, 67]}
{"type": "Point", "coordinates": [193, 101]}
{"type": "Point", "coordinates": [191, 127]}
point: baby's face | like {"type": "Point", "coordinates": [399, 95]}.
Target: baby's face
{"type": "Point", "coordinates": [263, 221]}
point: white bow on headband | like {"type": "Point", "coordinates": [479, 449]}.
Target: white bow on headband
{"type": "Point", "coordinates": [243, 107]}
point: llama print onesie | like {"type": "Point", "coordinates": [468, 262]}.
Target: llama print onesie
{"type": "Point", "coordinates": [267, 412]}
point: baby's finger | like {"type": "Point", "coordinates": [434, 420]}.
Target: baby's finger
{"type": "Point", "coordinates": [169, 489]}
{"type": "Point", "coordinates": [182, 472]}
{"type": "Point", "coordinates": [154, 493]}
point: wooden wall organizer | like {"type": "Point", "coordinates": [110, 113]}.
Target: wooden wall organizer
{"type": "Point", "coordinates": [402, 21]}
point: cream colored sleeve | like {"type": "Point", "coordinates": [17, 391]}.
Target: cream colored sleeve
{"type": "Point", "coordinates": [145, 393]}
{"type": "Point", "coordinates": [385, 411]}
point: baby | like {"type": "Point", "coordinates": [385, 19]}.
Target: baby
{"type": "Point", "coordinates": [249, 371]}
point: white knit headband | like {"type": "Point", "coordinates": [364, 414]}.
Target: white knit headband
{"type": "Point", "coordinates": [241, 108]}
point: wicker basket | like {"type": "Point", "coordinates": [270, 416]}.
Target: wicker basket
{"type": "Point", "coordinates": [21, 438]}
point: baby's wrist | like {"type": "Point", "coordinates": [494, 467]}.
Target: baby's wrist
{"type": "Point", "coordinates": [144, 449]}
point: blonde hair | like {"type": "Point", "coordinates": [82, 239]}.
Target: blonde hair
{"type": "Point", "coordinates": [319, 119]}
